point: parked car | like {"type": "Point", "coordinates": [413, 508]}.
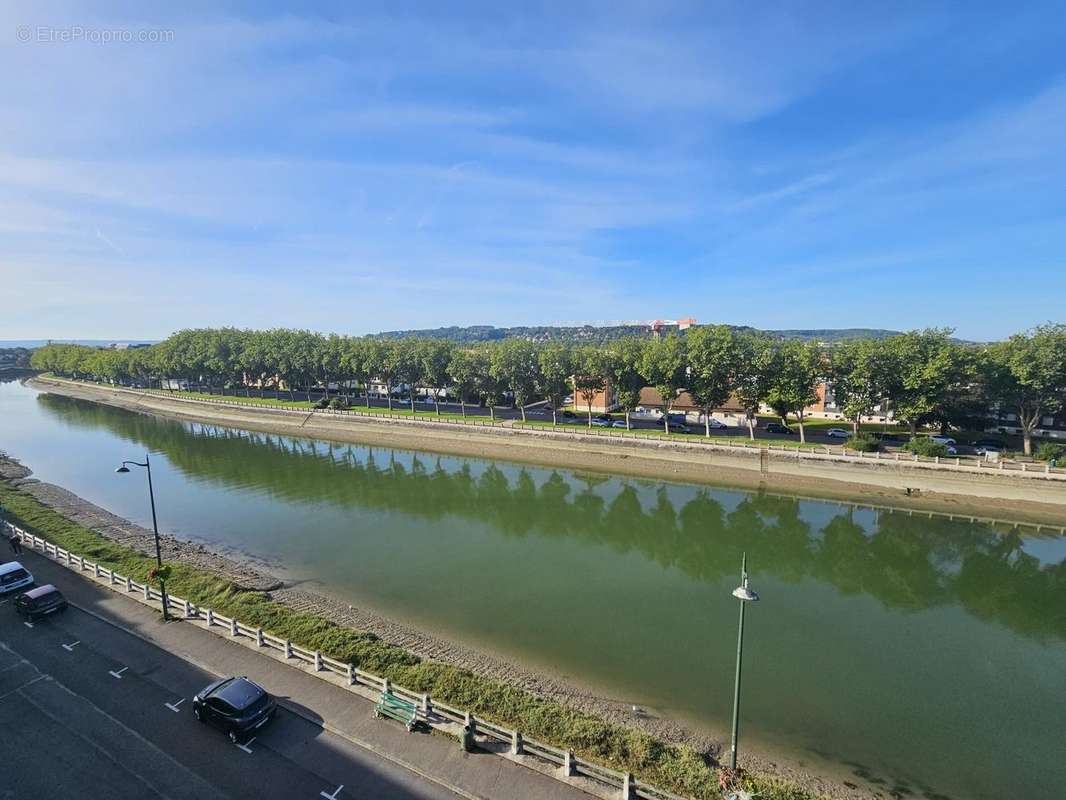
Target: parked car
{"type": "Point", "coordinates": [952, 451]}
{"type": "Point", "coordinates": [675, 419]}
{"type": "Point", "coordinates": [887, 437]}
{"type": "Point", "coordinates": [777, 427]}
{"type": "Point", "coordinates": [942, 438]}
{"type": "Point", "coordinates": [604, 417]}
{"type": "Point", "coordinates": [982, 446]}
{"type": "Point", "coordinates": [600, 422]}
{"type": "Point", "coordinates": [14, 576]}
{"type": "Point", "coordinates": [234, 705]}
{"type": "Point", "coordinates": [717, 424]}
{"type": "Point", "coordinates": [40, 602]}
{"type": "Point", "coordinates": [838, 433]}
{"type": "Point", "coordinates": [618, 423]}
{"type": "Point", "coordinates": [568, 414]}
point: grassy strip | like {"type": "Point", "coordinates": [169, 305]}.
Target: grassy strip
{"type": "Point", "coordinates": [679, 768]}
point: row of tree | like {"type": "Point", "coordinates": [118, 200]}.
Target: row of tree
{"type": "Point", "coordinates": [924, 377]}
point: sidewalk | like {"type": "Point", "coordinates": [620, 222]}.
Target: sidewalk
{"type": "Point", "coordinates": [478, 775]}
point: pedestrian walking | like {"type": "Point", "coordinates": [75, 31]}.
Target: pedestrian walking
{"type": "Point", "coordinates": [16, 544]}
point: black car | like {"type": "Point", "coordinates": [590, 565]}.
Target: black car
{"type": "Point", "coordinates": [40, 602]}
{"type": "Point", "coordinates": [887, 437]}
{"type": "Point", "coordinates": [777, 427]}
{"type": "Point", "coordinates": [236, 706]}
{"type": "Point", "coordinates": [568, 414]}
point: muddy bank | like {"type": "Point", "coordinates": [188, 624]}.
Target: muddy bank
{"type": "Point", "coordinates": [985, 496]}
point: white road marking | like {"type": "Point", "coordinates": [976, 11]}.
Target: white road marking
{"type": "Point", "coordinates": [118, 674]}
{"type": "Point", "coordinates": [245, 746]}
{"type": "Point", "coordinates": [28, 624]}
{"type": "Point", "coordinates": [174, 706]}
{"type": "Point", "coordinates": [70, 647]}
{"type": "Point", "coordinates": [334, 795]}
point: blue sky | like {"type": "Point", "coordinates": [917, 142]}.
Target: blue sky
{"type": "Point", "coordinates": [379, 166]}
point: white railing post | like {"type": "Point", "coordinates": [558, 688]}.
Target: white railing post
{"type": "Point", "coordinates": [386, 685]}
{"type": "Point", "coordinates": [516, 743]}
{"type": "Point", "coordinates": [233, 628]}
{"type": "Point", "coordinates": [568, 763]}
{"type": "Point", "coordinates": [210, 617]}
{"type": "Point", "coordinates": [427, 705]}
{"type": "Point", "coordinates": [129, 584]}
{"type": "Point", "coordinates": [318, 661]}
{"type": "Point", "coordinates": [111, 574]}
{"type": "Point", "coordinates": [259, 637]}
{"type": "Point", "coordinates": [96, 570]}
{"type": "Point", "coordinates": [288, 649]}
{"type": "Point", "coordinates": [70, 558]}
{"type": "Point", "coordinates": [628, 786]}
{"type": "Point", "coordinates": [351, 675]}
{"type": "Point", "coordinates": [147, 592]}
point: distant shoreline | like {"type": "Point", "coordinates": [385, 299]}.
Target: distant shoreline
{"type": "Point", "coordinates": [993, 497]}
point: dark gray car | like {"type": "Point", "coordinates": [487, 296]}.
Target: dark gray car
{"type": "Point", "coordinates": [234, 705]}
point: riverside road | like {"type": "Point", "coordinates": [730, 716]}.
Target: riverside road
{"type": "Point", "coordinates": [89, 710]}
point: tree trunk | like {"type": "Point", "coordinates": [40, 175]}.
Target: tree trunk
{"type": "Point", "coordinates": [523, 410]}
{"type": "Point", "coordinates": [1027, 441]}
{"type": "Point", "coordinates": [590, 414]}
{"type": "Point", "coordinates": [707, 422]}
{"type": "Point", "coordinates": [412, 395]}
{"type": "Point", "coordinates": [555, 416]}
{"type": "Point", "coordinates": [462, 404]}
{"type": "Point", "coordinates": [436, 401]}
{"type": "Point", "coordinates": [855, 426]}
{"type": "Point", "coordinates": [492, 412]}
{"type": "Point", "coordinates": [751, 426]}
{"type": "Point", "coordinates": [628, 426]}
{"type": "Point", "coordinates": [803, 433]}
{"type": "Point", "coordinates": [366, 393]}
{"type": "Point", "coordinates": [388, 394]}
{"type": "Point", "coordinates": [913, 425]}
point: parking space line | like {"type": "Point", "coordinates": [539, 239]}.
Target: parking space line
{"type": "Point", "coordinates": [28, 624]}
{"type": "Point", "coordinates": [333, 796]}
{"type": "Point", "coordinates": [245, 746]}
{"type": "Point", "coordinates": [70, 647]}
{"type": "Point", "coordinates": [174, 706]}
{"type": "Point", "coordinates": [117, 674]}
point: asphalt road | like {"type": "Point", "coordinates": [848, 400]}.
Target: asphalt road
{"type": "Point", "coordinates": [88, 710]}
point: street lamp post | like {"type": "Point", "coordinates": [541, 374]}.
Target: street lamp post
{"type": "Point", "coordinates": [155, 527]}
{"type": "Point", "coordinates": [745, 595]}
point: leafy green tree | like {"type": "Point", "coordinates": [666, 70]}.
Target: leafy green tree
{"type": "Point", "coordinates": [1029, 376]}
{"type": "Point", "coordinates": [713, 355]}
{"type": "Point", "coordinates": [464, 370]}
{"type": "Point", "coordinates": [515, 365]}
{"type": "Point", "coordinates": [663, 365]}
{"type": "Point", "coordinates": [755, 370]}
{"type": "Point", "coordinates": [434, 357]}
{"type": "Point", "coordinates": [591, 370]}
{"type": "Point", "coordinates": [862, 372]}
{"type": "Point", "coordinates": [626, 376]}
{"type": "Point", "coordinates": [488, 387]}
{"type": "Point", "coordinates": [555, 366]}
{"type": "Point", "coordinates": [928, 369]}
{"type": "Point", "coordinates": [372, 351]}
{"type": "Point", "coordinates": [794, 385]}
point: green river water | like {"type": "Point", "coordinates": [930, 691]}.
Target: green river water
{"type": "Point", "coordinates": [923, 657]}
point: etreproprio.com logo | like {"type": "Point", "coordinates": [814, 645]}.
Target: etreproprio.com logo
{"type": "Point", "coordinates": [49, 34]}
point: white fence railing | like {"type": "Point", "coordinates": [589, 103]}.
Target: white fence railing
{"type": "Point", "coordinates": [609, 782]}
{"type": "Point", "coordinates": [832, 453]}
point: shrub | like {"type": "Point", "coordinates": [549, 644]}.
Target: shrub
{"type": "Point", "coordinates": [1050, 450]}
{"type": "Point", "coordinates": [323, 402]}
{"type": "Point", "coordinates": [339, 403]}
{"type": "Point", "coordinates": [864, 442]}
{"type": "Point", "coordinates": [924, 446]}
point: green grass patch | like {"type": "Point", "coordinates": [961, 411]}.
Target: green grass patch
{"type": "Point", "coordinates": [678, 768]}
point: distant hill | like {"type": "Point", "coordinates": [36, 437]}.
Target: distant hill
{"type": "Point", "coordinates": [593, 335]}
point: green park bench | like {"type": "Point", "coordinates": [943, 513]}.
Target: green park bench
{"type": "Point", "coordinates": [398, 709]}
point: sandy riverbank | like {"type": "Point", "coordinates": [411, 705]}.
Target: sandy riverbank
{"type": "Point", "coordinates": [1002, 497]}
{"type": "Point", "coordinates": [246, 572]}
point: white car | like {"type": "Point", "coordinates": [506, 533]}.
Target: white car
{"type": "Point", "coordinates": [14, 576]}
{"type": "Point", "coordinates": [717, 424]}
{"type": "Point", "coordinates": [941, 438]}
{"type": "Point", "coordinates": [618, 423]}
{"type": "Point", "coordinates": [838, 433]}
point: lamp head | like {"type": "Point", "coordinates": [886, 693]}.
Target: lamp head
{"type": "Point", "coordinates": [122, 469]}
{"type": "Point", "coordinates": [744, 593]}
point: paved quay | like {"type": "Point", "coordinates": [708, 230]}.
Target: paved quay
{"type": "Point", "coordinates": [102, 694]}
